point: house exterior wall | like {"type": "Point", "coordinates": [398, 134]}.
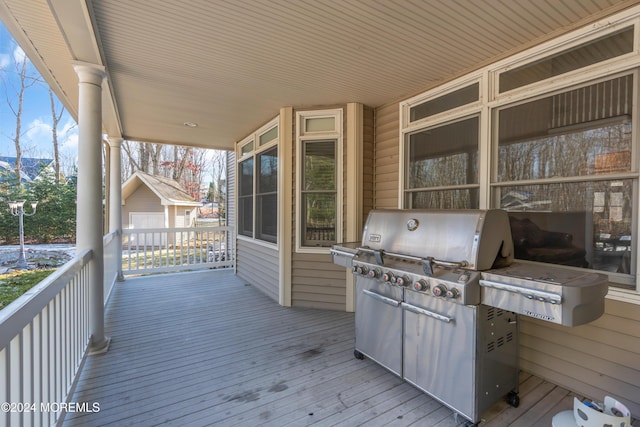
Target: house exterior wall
{"type": "Point", "coordinates": [141, 200]}
{"type": "Point", "coordinates": [316, 281]}
{"type": "Point", "coordinates": [595, 360]}
{"type": "Point", "coordinates": [386, 151]}
{"type": "Point", "coordinates": [368, 159]}
{"type": "Point", "coordinates": [258, 265]}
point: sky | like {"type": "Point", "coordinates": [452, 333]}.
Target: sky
{"type": "Point", "coordinates": [36, 140]}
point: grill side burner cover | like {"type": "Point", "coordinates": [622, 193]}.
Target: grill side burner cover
{"type": "Point", "coordinates": [553, 294]}
{"type": "Point", "coordinates": [474, 236]}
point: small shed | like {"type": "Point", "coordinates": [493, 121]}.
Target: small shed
{"type": "Point", "coordinates": [150, 201]}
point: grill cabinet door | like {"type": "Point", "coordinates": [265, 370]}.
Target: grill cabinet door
{"type": "Point", "coordinates": [440, 350]}
{"type": "Point", "coordinates": [379, 322]}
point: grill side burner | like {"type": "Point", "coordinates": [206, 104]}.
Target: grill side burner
{"type": "Point", "coordinates": [553, 294]}
{"type": "Point", "coordinates": [437, 297]}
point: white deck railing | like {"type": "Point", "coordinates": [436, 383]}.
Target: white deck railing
{"type": "Point", "coordinates": [112, 262]}
{"type": "Point", "coordinates": [156, 250]}
{"type": "Point", "coordinates": [44, 336]}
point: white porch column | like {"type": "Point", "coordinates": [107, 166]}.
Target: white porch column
{"type": "Point", "coordinates": [89, 200]}
{"type": "Point", "coordinates": [115, 197]}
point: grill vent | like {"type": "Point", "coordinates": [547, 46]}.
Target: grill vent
{"type": "Point", "coordinates": [491, 313]}
{"type": "Point", "coordinates": [499, 342]}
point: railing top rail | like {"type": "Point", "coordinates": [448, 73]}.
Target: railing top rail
{"type": "Point", "coordinates": [107, 238]}
{"type": "Point", "coordinates": [18, 314]}
{"type": "Point", "coordinates": [176, 229]}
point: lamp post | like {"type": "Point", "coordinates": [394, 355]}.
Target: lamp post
{"type": "Point", "coordinates": [17, 209]}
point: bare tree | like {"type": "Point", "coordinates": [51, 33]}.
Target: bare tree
{"type": "Point", "coordinates": [55, 119]}
{"type": "Point", "coordinates": [15, 101]}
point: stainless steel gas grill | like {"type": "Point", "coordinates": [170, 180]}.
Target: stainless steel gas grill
{"type": "Point", "coordinates": [433, 306]}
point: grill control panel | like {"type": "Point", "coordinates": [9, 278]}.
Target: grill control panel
{"type": "Point", "coordinates": [453, 284]}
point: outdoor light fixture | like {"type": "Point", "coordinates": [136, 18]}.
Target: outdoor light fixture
{"type": "Point", "coordinates": [17, 209]}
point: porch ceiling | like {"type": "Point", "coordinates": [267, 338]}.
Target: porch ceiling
{"type": "Point", "coordinates": [230, 65]}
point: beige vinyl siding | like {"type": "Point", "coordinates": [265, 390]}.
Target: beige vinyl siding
{"type": "Point", "coordinates": [258, 264]}
{"type": "Point", "coordinates": [317, 282]}
{"type": "Point", "coordinates": [368, 135]}
{"type": "Point", "coordinates": [385, 157]}
{"type": "Point", "coordinates": [141, 200]}
{"type": "Point", "coordinates": [597, 359]}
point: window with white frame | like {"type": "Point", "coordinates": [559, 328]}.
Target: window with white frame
{"type": "Point", "coordinates": [257, 171]}
{"type": "Point", "coordinates": [441, 165]}
{"type": "Point", "coordinates": [318, 176]}
{"type": "Point", "coordinates": [564, 172]}
{"type": "Point", "coordinates": [557, 135]}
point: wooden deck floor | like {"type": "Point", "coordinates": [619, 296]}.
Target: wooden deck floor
{"type": "Point", "coordinates": [205, 348]}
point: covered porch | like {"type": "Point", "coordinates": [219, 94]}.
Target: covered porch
{"type": "Point", "coordinates": [207, 348]}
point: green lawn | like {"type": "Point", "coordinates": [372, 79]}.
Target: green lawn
{"type": "Point", "coordinates": [16, 283]}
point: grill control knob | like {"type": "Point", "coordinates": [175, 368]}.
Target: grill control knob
{"type": "Point", "coordinates": [439, 290]}
{"type": "Point", "coordinates": [403, 281]}
{"type": "Point", "coordinates": [374, 273]}
{"type": "Point", "coordinates": [363, 270]}
{"type": "Point", "coordinates": [389, 277]}
{"type": "Point", "coordinates": [420, 285]}
{"type": "Point", "coordinates": [453, 293]}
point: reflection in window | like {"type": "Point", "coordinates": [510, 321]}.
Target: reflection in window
{"type": "Point", "coordinates": [586, 131]}
{"type": "Point", "coordinates": [444, 199]}
{"type": "Point", "coordinates": [267, 195]}
{"type": "Point", "coordinates": [319, 193]}
{"type": "Point", "coordinates": [589, 53]}
{"type": "Point", "coordinates": [245, 198]}
{"type": "Point", "coordinates": [457, 98]}
{"type": "Point", "coordinates": [581, 135]}
{"type": "Point", "coordinates": [444, 156]}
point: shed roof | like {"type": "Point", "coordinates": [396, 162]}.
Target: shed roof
{"type": "Point", "coordinates": [169, 191]}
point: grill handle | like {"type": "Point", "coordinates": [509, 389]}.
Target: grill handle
{"type": "Point", "coordinates": [382, 298]}
{"type": "Point", "coordinates": [419, 310]}
{"type": "Point", "coordinates": [378, 253]}
{"type": "Point", "coordinates": [532, 294]}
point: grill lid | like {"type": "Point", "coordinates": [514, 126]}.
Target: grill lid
{"type": "Point", "coordinates": [480, 239]}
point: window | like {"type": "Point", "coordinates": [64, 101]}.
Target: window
{"type": "Point", "coordinates": [258, 185]}
{"type": "Point", "coordinates": [319, 172]}
{"type": "Point", "coordinates": [319, 193]}
{"type": "Point", "coordinates": [441, 146]}
{"type": "Point", "coordinates": [267, 195]}
{"type": "Point", "coordinates": [560, 157]}
{"type": "Point", "coordinates": [245, 198]}
{"type": "Point", "coordinates": [564, 174]}
{"type": "Point", "coordinates": [443, 167]}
